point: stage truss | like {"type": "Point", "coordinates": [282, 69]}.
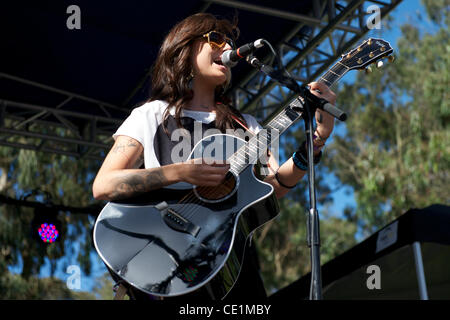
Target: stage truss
{"type": "Point", "coordinates": [307, 51]}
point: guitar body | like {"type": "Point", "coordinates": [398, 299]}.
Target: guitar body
{"type": "Point", "coordinates": [178, 239]}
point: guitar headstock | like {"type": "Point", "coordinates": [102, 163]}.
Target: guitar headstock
{"type": "Point", "coordinates": [368, 52]}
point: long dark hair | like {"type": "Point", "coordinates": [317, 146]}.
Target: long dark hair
{"type": "Point", "coordinates": [172, 68]}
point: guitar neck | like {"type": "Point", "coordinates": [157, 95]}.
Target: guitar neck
{"type": "Point", "coordinates": [333, 74]}
{"type": "Point", "coordinates": [258, 144]}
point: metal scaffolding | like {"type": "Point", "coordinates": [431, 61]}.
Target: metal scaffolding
{"type": "Point", "coordinates": [307, 51]}
{"type": "Point", "coordinates": [84, 129]}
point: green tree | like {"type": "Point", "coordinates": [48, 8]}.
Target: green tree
{"type": "Point", "coordinates": [282, 243]}
{"type": "Point", "coordinates": [15, 287]}
{"type": "Point", "coordinates": [395, 153]}
{"type": "Point", "coordinates": [34, 176]}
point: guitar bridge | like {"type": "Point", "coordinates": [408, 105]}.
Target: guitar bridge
{"type": "Point", "coordinates": [176, 221]}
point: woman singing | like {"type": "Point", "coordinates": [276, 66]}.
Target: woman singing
{"type": "Point", "coordinates": [188, 85]}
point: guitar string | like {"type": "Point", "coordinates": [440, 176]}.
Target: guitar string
{"type": "Point", "coordinates": [352, 55]}
{"type": "Point", "coordinates": [191, 195]}
{"type": "Point", "coordinates": [256, 150]}
{"type": "Point", "coordinates": [212, 190]}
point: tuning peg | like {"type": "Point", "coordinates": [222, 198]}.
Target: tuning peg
{"type": "Point", "coordinates": [380, 64]}
{"type": "Point", "coordinates": [368, 69]}
{"type": "Point", "coordinates": [391, 58]}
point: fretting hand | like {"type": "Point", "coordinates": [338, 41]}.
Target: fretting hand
{"type": "Point", "coordinates": [325, 121]}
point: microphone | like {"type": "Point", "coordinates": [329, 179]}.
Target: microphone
{"type": "Point", "coordinates": [230, 58]}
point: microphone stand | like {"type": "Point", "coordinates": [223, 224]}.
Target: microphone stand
{"type": "Point", "coordinates": [310, 104]}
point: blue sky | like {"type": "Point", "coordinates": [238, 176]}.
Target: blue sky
{"type": "Point", "coordinates": [343, 197]}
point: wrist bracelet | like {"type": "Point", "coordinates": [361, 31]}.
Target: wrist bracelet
{"type": "Point", "coordinates": [301, 159]}
{"type": "Point", "coordinates": [281, 183]}
{"type": "Point", "coordinates": [302, 165]}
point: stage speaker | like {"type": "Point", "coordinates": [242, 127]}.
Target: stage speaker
{"type": "Point", "coordinates": [407, 259]}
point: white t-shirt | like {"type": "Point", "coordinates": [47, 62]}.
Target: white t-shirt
{"type": "Point", "coordinates": [144, 124]}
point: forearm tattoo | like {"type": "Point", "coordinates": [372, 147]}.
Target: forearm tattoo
{"type": "Point", "coordinates": [137, 183]}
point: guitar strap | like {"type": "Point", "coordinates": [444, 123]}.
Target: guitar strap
{"type": "Point", "coordinates": [242, 124]}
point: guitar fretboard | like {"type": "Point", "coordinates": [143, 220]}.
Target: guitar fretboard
{"type": "Point", "coordinates": [334, 74]}
{"type": "Point", "coordinates": [258, 144]}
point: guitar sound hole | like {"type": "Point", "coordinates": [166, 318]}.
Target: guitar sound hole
{"type": "Point", "coordinates": [220, 192]}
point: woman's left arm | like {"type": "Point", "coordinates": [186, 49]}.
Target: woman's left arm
{"type": "Point", "coordinates": [285, 177]}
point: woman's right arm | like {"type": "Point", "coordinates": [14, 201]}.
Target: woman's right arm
{"type": "Point", "coordinates": [119, 178]}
